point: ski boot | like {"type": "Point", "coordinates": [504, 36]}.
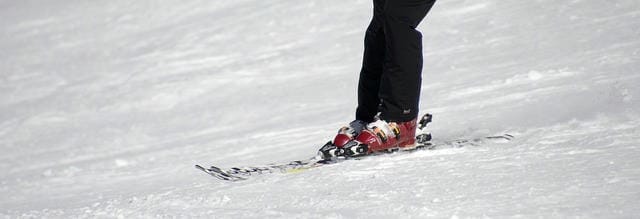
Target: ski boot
{"type": "Point", "coordinates": [383, 136]}
{"type": "Point", "coordinates": [345, 135]}
{"type": "Point", "coordinates": [348, 133]}
{"type": "Point", "coordinates": [359, 139]}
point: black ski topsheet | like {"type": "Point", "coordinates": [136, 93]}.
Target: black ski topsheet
{"type": "Point", "coordinates": [242, 173]}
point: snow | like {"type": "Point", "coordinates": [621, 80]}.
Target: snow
{"type": "Point", "coordinates": [105, 106]}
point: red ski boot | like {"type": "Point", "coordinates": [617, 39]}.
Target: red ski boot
{"type": "Point", "coordinates": [381, 135]}
{"type": "Point", "coordinates": [348, 133]}
{"type": "Point", "coordinates": [357, 140]}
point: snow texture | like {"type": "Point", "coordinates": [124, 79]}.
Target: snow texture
{"type": "Point", "coordinates": [105, 106]}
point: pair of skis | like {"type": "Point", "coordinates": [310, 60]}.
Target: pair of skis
{"type": "Point", "coordinates": [423, 140]}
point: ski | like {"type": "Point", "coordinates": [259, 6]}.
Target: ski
{"type": "Point", "coordinates": [219, 173]}
{"type": "Point", "coordinates": [243, 173]}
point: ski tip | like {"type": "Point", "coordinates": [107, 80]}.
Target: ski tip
{"type": "Point", "coordinates": [501, 138]}
{"type": "Point", "coordinates": [509, 136]}
{"type": "Point", "coordinates": [220, 174]}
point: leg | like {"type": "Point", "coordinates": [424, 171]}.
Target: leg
{"type": "Point", "coordinates": [402, 74]}
{"type": "Point", "coordinates": [374, 52]}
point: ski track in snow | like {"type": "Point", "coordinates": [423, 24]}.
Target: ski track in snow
{"type": "Point", "coordinates": [106, 105]}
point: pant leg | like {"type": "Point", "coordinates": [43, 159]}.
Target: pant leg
{"type": "Point", "coordinates": [402, 67]}
{"type": "Point", "coordinates": [370, 75]}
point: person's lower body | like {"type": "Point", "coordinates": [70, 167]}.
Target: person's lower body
{"type": "Point", "coordinates": [391, 75]}
{"type": "Point", "coordinates": [390, 79]}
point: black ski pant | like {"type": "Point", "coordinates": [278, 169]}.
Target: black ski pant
{"type": "Point", "coordinates": [391, 74]}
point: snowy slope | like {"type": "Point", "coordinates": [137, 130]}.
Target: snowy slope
{"type": "Point", "coordinates": [106, 105]}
